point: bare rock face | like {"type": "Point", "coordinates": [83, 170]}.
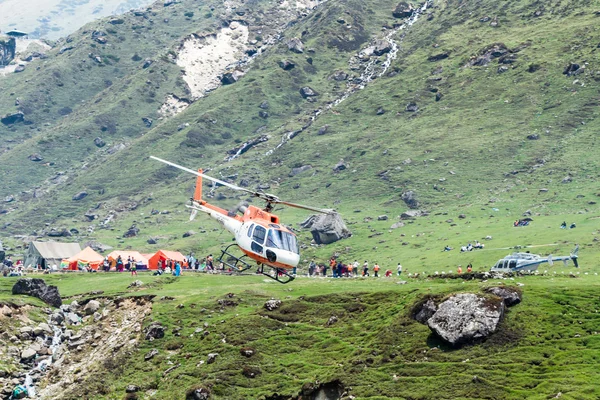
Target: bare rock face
{"type": "Point", "coordinates": [327, 228]}
{"type": "Point", "coordinates": [466, 318]}
{"type": "Point", "coordinates": [37, 288]}
{"type": "Point", "coordinates": [510, 295]}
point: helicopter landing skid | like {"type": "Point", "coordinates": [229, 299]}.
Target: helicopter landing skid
{"type": "Point", "coordinates": [237, 264]}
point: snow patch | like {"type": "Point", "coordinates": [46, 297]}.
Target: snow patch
{"type": "Point", "coordinates": [204, 59]}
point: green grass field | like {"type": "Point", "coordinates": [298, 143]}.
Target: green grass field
{"type": "Point", "coordinates": [546, 345]}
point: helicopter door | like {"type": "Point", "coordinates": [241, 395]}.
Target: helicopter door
{"type": "Point", "coordinates": [258, 239]}
{"type": "Point", "coordinates": [512, 264]}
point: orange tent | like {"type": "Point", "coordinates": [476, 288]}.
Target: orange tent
{"type": "Point", "coordinates": [164, 255]}
{"type": "Point", "coordinates": [85, 257]}
{"type": "Point", "coordinates": [137, 256]}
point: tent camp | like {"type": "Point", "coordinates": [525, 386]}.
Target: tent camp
{"type": "Point", "coordinates": [86, 257]}
{"type": "Point", "coordinates": [47, 254]}
{"type": "Point", "coordinates": [137, 256]}
{"type": "Point", "coordinates": [164, 255]}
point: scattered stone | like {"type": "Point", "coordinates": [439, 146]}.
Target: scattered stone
{"type": "Point", "coordinates": [403, 10]}
{"type": "Point", "coordinates": [271, 305]}
{"type": "Point", "coordinates": [307, 92]}
{"type": "Point", "coordinates": [567, 179]}
{"type": "Point", "coordinates": [295, 45]}
{"type": "Point", "coordinates": [382, 218]}
{"type": "Point", "coordinates": [198, 394]}
{"type": "Point", "coordinates": [380, 111]}
{"type": "Point", "coordinates": [136, 283]}
{"type": "Point", "coordinates": [263, 114]}
{"type": "Point", "coordinates": [397, 225]}
{"type": "Point", "coordinates": [412, 107]}
{"type": "Point", "coordinates": [28, 354]}
{"type": "Point", "coordinates": [147, 62]}
{"type": "Point", "coordinates": [212, 357]}
{"type": "Point", "coordinates": [533, 136]}
{"type": "Point", "coordinates": [188, 234]}
{"type": "Point", "coordinates": [286, 65]}
{"type": "Point", "coordinates": [264, 105]}
{"type": "Point", "coordinates": [10, 119]}
{"type": "Point", "coordinates": [438, 57]}
{"type": "Point", "coordinates": [411, 214]}
{"type": "Point", "coordinates": [99, 142]}
{"type": "Point", "coordinates": [299, 170]}
{"type": "Point", "coordinates": [131, 232]}
{"type": "Point", "coordinates": [332, 320]}
{"type": "Point", "coordinates": [147, 121]}
{"type": "Point", "coordinates": [35, 157]}
{"type": "Point", "coordinates": [79, 196]}
{"type": "Point", "coordinates": [155, 331]}
{"type": "Point", "coordinates": [340, 166]}
{"type": "Point", "coordinates": [247, 352]}
{"type": "Point", "coordinates": [509, 295]}
{"type": "Point", "coordinates": [573, 69]}
{"type": "Point", "coordinates": [410, 199]}
{"type": "Point", "coordinates": [37, 288]}
{"type": "Point", "coordinates": [323, 130]}
{"type": "Point", "coordinates": [466, 318]}
{"type": "Point", "coordinates": [339, 76]}
{"type": "Point", "coordinates": [149, 355]}
{"type": "Point", "coordinates": [91, 307]}
{"type": "Point", "coordinates": [326, 228]}
{"type": "Point", "coordinates": [462, 216]}
{"type": "Point", "coordinates": [231, 77]}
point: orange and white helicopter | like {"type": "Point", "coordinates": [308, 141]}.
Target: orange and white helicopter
{"type": "Point", "coordinates": [258, 232]}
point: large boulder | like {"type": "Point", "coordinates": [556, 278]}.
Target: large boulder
{"type": "Point", "coordinates": [424, 310]}
{"type": "Point", "coordinates": [37, 288]}
{"type": "Point", "coordinates": [10, 119]}
{"type": "Point", "coordinates": [467, 318]}
{"type": "Point", "coordinates": [295, 45]}
{"type": "Point", "coordinates": [155, 331]}
{"type": "Point", "coordinates": [91, 307]}
{"type": "Point", "coordinates": [327, 228]}
{"type": "Point", "coordinates": [403, 10]}
{"type": "Point", "coordinates": [410, 198]}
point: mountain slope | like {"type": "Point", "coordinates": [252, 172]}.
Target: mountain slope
{"type": "Point", "coordinates": [496, 120]}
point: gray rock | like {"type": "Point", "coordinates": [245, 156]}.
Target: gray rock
{"type": "Point", "coordinates": [286, 65]}
{"type": "Point", "coordinates": [42, 329]}
{"type": "Point", "coordinates": [295, 45]}
{"type": "Point", "coordinates": [91, 307]}
{"type": "Point", "coordinates": [340, 166]}
{"type": "Point", "coordinates": [72, 319]}
{"type": "Point", "coordinates": [150, 355]}
{"type": "Point", "coordinates": [264, 105]}
{"type": "Point", "coordinates": [397, 225]}
{"type": "Point", "coordinates": [271, 305]}
{"type": "Point", "coordinates": [411, 214]}
{"type": "Point", "coordinates": [155, 331]}
{"type": "Point", "coordinates": [509, 295]}
{"type": "Point", "coordinates": [79, 196]}
{"type": "Point", "coordinates": [323, 130]}
{"type": "Point", "coordinates": [326, 228]}
{"type": "Point", "coordinates": [199, 394]}
{"type": "Point", "coordinates": [212, 357]}
{"type": "Point", "coordinates": [28, 354]}
{"type": "Point", "coordinates": [188, 234]}
{"type": "Point", "coordinates": [136, 283]}
{"type": "Point", "coordinates": [425, 311]}
{"type": "Point", "coordinates": [339, 76]}
{"type": "Point", "coordinates": [37, 288]}
{"type": "Point", "coordinates": [412, 107]}
{"type": "Point", "coordinates": [307, 92]}
{"type": "Point", "coordinates": [131, 389]}
{"type": "Point", "coordinates": [10, 119]}
{"type": "Point", "coordinates": [247, 352]}
{"type": "Point", "coordinates": [381, 47]}
{"type": "Point", "coordinates": [403, 10]}
{"type": "Point", "coordinates": [148, 122]}
{"type": "Point", "coordinates": [231, 77]}
{"type": "Point", "coordinates": [299, 170]}
{"type": "Point", "coordinates": [332, 320]}
{"type": "Point", "coordinates": [466, 318]}
{"type": "Point", "coordinates": [410, 199]}
{"type": "Point", "coordinates": [147, 63]}
{"type": "Point", "coordinates": [382, 218]}
{"type": "Point", "coordinates": [35, 157]}
{"type": "Point", "coordinates": [131, 232]}
{"type": "Point", "coordinates": [573, 69]}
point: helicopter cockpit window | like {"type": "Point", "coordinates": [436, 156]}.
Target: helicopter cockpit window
{"type": "Point", "coordinates": [259, 234]}
{"type": "Point", "coordinates": [250, 230]}
{"type": "Point", "coordinates": [282, 240]}
{"type": "Point", "coordinates": [512, 264]}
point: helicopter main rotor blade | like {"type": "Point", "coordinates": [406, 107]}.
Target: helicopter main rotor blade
{"type": "Point", "coordinates": [319, 210]}
{"type": "Point", "coordinates": [220, 182]}
{"type": "Point", "coordinates": [522, 247]}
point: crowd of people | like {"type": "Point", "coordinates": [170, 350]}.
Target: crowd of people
{"type": "Point", "coordinates": [338, 269]}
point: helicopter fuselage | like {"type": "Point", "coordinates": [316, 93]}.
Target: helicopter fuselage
{"type": "Point", "coordinates": [258, 234]}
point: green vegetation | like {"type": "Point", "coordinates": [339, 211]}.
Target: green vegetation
{"type": "Point", "coordinates": [546, 345]}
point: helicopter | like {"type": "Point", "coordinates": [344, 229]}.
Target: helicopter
{"type": "Point", "coordinates": [519, 261]}
{"type": "Point", "coordinates": [258, 233]}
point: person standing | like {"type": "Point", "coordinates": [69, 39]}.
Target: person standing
{"type": "Point", "coordinates": [366, 268]}
{"type": "Point", "coordinates": [399, 269]}
{"type": "Point", "coordinates": [376, 270]}
{"type": "Point", "coordinates": [355, 266]}
{"type": "Point", "coordinates": [133, 268]}
{"type": "Point", "coordinates": [177, 271]}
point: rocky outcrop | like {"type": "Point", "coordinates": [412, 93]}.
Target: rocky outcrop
{"type": "Point", "coordinates": [326, 228]}
{"type": "Point", "coordinates": [38, 288]}
{"type": "Point", "coordinates": [10, 119]}
{"type": "Point", "coordinates": [467, 318]}
{"type": "Point", "coordinates": [410, 198]}
{"type": "Point", "coordinates": [403, 10]}
{"type": "Point", "coordinates": [273, 304]}
{"type": "Point", "coordinates": [155, 331]}
{"type": "Point", "coordinates": [295, 45]}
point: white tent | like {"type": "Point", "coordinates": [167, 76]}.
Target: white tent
{"type": "Point", "coordinates": [47, 254]}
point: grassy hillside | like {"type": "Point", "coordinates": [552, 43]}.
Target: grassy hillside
{"type": "Point", "coordinates": [546, 345]}
{"type": "Point", "coordinates": [468, 153]}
